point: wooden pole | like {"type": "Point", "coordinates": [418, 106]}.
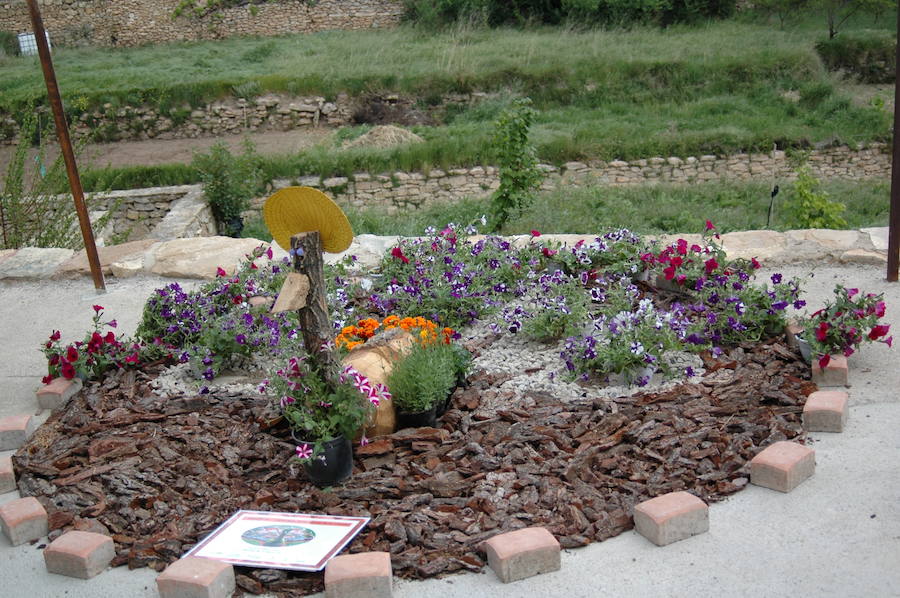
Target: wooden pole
{"type": "Point", "coordinates": [894, 221]}
{"type": "Point", "coordinates": [315, 325]}
{"type": "Point", "coordinates": [65, 144]}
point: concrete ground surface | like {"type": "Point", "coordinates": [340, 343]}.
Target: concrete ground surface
{"type": "Point", "coordinates": [836, 535]}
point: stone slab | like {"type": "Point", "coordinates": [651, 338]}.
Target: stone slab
{"type": "Point", "coordinates": [199, 257]}
{"type": "Point", "coordinates": [78, 264]}
{"type": "Point", "coordinates": [33, 262]}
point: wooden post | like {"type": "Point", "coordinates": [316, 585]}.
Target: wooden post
{"type": "Point", "coordinates": [65, 145]}
{"type": "Point", "coordinates": [315, 324]}
{"type": "Point", "coordinates": [893, 264]}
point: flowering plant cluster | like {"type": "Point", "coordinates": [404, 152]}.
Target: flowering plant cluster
{"type": "Point", "coordinates": [321, 400]}
{"type": "Point", "coordinates": [555, 308]}
{"type": "Point", "coordinates": [614, 253]}
{"type": "Point", "coordinates": [630, 341]}
{"type": "Point", "coordinates": [845, 323]}
{"type": "Point", "coordinates": [450, 279]}
{"type": "Point", "coordinates": [684, 263]}
{"type": "Point", "coordinates": [94, 355]}
{"type": "Point", "coordinates": [217, 323]}
{"type": "Point", "coordinates": [425, 330]}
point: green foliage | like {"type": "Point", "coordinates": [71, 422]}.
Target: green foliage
{"type": "Point", "coordinates": [200, 9]}
{"type": "Point", "coordinates": [35, 211]}
{"type": "Point", "coordinates": [229, 182]}
{"type": "Point", "coordinates": [433, 14]}
{"type": "Point", "coordinates": [809, 206]}
{"type": "Point", "coordinates": [517, 160]}
{"type": "Point", "coordinates": [423, 378]}
{"type": "Point", "coordinates": [838, 12]}
{"type": "Point", "coordinates": [870, 56]}
{"type": "Point", "coordinates": [9, 43]}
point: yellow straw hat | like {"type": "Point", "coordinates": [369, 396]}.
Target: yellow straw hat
{"type": "Point", "coordinates": [295, 210]}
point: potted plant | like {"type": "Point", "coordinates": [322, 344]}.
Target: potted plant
{"type": "Point", "coordinates": [324, 404]}
{"type": "Point", "coordinates": [421, 381]}
{"type": "Point", "coordinates": [844, 324]}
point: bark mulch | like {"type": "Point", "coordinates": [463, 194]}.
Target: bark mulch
{"type": "Point", "coordinates": [158, 474]}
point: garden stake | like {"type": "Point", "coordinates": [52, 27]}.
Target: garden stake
{"type": "Point", "coordinates": [771, 205]}
{"type": "Point", "coordinates": [65, 145]}
{"type": "Point", "coordinates": [893, 256]}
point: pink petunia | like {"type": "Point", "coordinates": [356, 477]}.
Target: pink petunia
{"type": "Point", "coordinates": [879, 309]}
{"type": "Point", "coordinates": [852, 292]}
{"type": "Point", "coordinates": [548, 252]}
{"type": "Point", "coordinates": [889, 341]}
{"type": "Point", "coordinates": [363, 441]}
{"type": "Point", "coordinates": [220, 272]}
{"type": "Point", "coordinates": [304, 451]}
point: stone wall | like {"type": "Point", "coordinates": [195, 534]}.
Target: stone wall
{"type": "Point", "coordinates": [157, 212]}
{"type": "Point", "coordinates": [398, 191]}
{"type": "Point", "coordinates": [137, 22]}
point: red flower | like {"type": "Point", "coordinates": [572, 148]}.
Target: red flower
{"type": "Point", "coordinates": [237, 299]}
{"type": "Point", "coordinates": [711, 264]}
{"type": "Point", "coordinates": [822, 331]}
{"type": "Point", "coordinates": [55, 336]}
{"type": "Point", "coordinates": [47, 379]}
{"type": "Point", "coordinates": [54, 360]}
{"type": "Point", "coordinates": [98, 309]}
{"type": "Point", "coordinates": [548, 252]}
{"type": "Point", "coordinates": [269, 253]}
{"type": "Point", "coordinates": [755, 263]}
{"type": "Point", "coordinates": [110, 337]}
{"type": "Point", "coordinates": [581, 242]}
{"type": "Point", "coordinates": [681, 247]}
{"type": "Point", "coordinates": [879, 309]}
{"type": "Point", "coordinates": [680, 278]}
{"type": "Point", "coordinates": [879, 331]}
{"type": "Point", "coordinates": [535, 233]}
{"type": "Point", "coordinates": [709, 225]}
{"type": "Point", "coordinates": [132, 358]}
{"type": "Point", "coordinates": [852, 292]}
{"type": "Point", "coordinates": [824, 361]}
{"type": "Point", "coordinates": [398, 253]}
{"type": "Point", "coordinates": [220, 271]}
{"type": "Point", "coordinates": [67, 371]}
{"type": "Point", "coordinates": [72, 353]}
{"type": "Point", "coordinates": [253, 266]}
{"type": "Point", "coordinates": [848, 351]}
{"type": "Point", "coordinates": [669, 272]}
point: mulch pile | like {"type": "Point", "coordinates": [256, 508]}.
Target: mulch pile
{"type": "Point", "coordinates": [158, 474]}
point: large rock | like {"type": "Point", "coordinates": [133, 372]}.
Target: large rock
{"type": "Point", "coordinates": [199, 257]}
{"type": "Point", "coordinates": [824, 244]}
{"type": "Point", "coordinates": [764, 245]}
{"type": "Point", "coordinates": [126, 252]}
{"type": "Point", "coordinates": [375, 359]}
{"type": "Point", "coordinates": [34, 262]}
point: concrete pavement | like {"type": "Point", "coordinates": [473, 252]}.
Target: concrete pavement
{"type": "Point", "coordinates": [836, 535]}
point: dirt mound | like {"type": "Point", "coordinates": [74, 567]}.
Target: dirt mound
{"type": "Point", "coordinates": [383, 136]}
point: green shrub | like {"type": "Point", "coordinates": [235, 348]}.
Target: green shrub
{"type": "Point", "coordinates": [9, 43]}
{"type": "Point", "coordinates": [424, 377]}
{"type": "Point", "coordinates": [869, 56]}
{"type": "Point", "coordinates": [229, 183]}
{"type": "Point", "coordinates": [809, 207]}
{"type": "Point", "coordinates": [517, 160]}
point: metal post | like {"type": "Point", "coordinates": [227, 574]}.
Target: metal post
{"type": "Point", "coordinates": [65, 144]}
{"type": "Point", "coordinates": [894, 221]}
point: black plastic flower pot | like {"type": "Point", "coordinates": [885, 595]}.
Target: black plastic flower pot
{"type": "Point", "coordinates": [421, 419]}
{"type": "Point", "coordinates": [333, 465]}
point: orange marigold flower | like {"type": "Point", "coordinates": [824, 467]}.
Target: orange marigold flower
{"type": "Point", "coordinates": [391, 321]}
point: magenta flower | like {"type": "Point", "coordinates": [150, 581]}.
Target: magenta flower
{"type": "Point", "coordinates": [98, 309]}
{"type": "Point", "coordinates": [220, 271]}
{"type": "Point", "coordinates": [879, 331]}
{"type": "Point", "coordinates": [709, 225]}
{"type": "Point", "coordinates": [398, 253]}
{"type": "Point", "coordinates": [363, 441]}
{"type": "Point", "coordinates": [535, 233]}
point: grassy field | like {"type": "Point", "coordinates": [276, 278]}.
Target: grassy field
{"type": "Point", "coordinates": [721, 87]}
{"type": "Point", "coordinates": [645, 209]}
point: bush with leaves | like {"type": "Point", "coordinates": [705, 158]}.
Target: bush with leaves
{"type": "Point", "coordinates": [809, 206]}
{"type": "Point", "coordinates": [423, 378]}
{"type": "Point", "coordinates": [229, 182]}
{"type": "Point", "coordinates": [517, 159]}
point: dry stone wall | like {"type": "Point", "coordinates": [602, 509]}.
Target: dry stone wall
{"type": "Point", "coordinates": [400, 191]}
{"type": "Point", "coordinates": [156, 212]}
{"type": "Point", "coordinates": [138, 22]}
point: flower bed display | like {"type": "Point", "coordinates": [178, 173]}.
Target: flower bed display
{"type": "Point", "coordinates": [711, 379]}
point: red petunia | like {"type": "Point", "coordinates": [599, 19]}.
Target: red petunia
{"type": "Point", "coordinates": [548, 252]}
{"type": "Point", "coordinates": [47, 379]}
{"type": "Point", "coordinates": [98, 308]}
{"type": "Point", "coordinates": [110, 337]}
{"type": "Point", "coordinates": [72, 354]}
{"type": "Point", "coordinates": [822, 331]}
{"type": "Point", "coordinates": [709, 225]}
{"type": "Point", "coordinates": [711, 264]}
{"type": "Point", "coordinates": [756, 265]}
{"type": "Point", "coordinates": [220, 271]}
{"type": "Point", "coordinates": [879, 309]}
{"type": "Point", "coordinates": [879, 331]}
{"type": "Point", "coordinates": [67, 371]}
{"type": "Point", "coordinates": [535, 233]}
{"type": "Point", "coordinates": [398, 253]}
{"type": "Point", "coordinates": [55, 336]}
{"type": "Point", "coordinates": [824, 361]}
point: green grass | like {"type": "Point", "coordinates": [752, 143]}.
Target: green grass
{"type": "Point", "coordinates": [601, 94]}
{"type": "Point", "coordinates": [645, 209]}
